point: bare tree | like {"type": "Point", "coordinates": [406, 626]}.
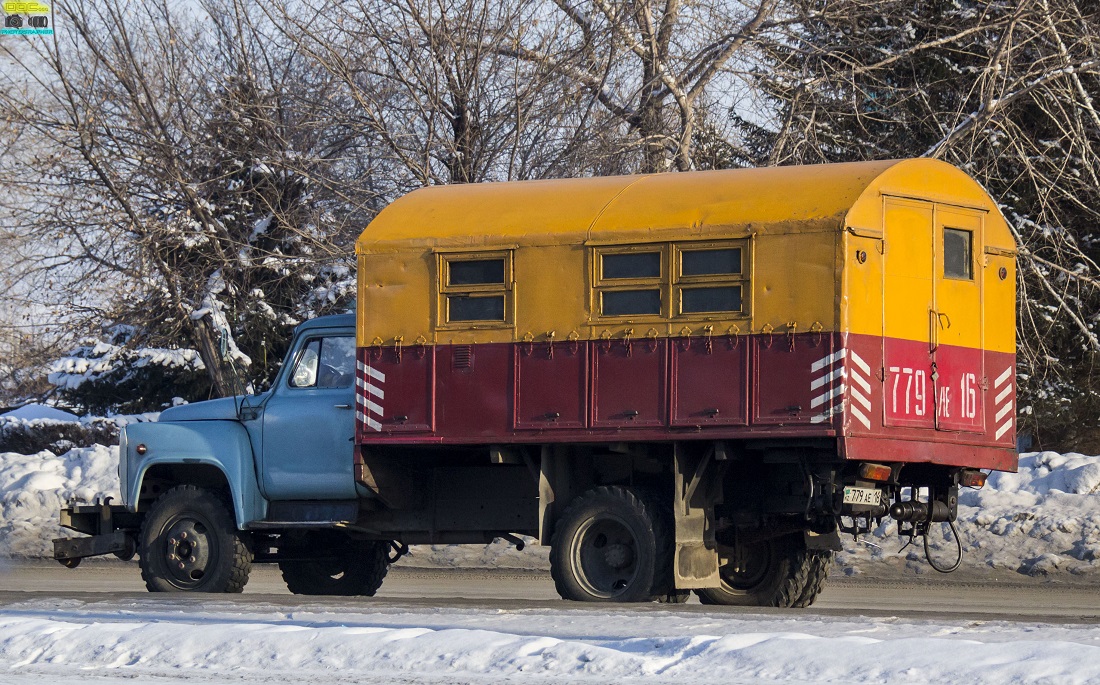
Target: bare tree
{"type": "Point", "coordinates": [650, 64]}
{"type": "Point", "coordinates": [175, 183]}
{"type": "Point", "coordinates": [1007, 91]}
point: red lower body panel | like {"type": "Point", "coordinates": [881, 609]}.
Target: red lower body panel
{"type": "Point", "coordinates": [721, 387]}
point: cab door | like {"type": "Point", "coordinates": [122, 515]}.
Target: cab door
{"type": "Point", "coordinates": [309, 421]}
{"type": "Point", "coordinates": [957, 334]}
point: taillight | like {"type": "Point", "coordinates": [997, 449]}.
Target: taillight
{"type": "Point", "coordinates": [878, 472]}
{"type": "Point", "coordinates": [972, 479]}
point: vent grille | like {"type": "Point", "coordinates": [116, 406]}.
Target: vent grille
{"type": "Point", "coordinates": [462, 357]}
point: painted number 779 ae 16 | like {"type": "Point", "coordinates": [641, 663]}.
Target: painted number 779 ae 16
{"type": "Point", "coordinates": [909, 394]}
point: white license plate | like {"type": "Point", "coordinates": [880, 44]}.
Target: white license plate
{"type": "Point", "coordinates": [870, 496]}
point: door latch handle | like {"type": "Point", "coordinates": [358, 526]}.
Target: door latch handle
{"type": "Point", "coordinates": [342, 406]}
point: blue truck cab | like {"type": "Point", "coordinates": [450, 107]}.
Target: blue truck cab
{"type": "Point", "coordinates": [213, 486]}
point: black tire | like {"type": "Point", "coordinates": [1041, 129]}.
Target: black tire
{"type": "Point", "coordinates": [779, 572]}
{"type": "Point", "coordinates": [817, 573]}
{"type": "Point", "coordinates": [612, 544]}
{"type": "Point", "coordinates": [190, 543]}
{"type": "Point", "coordinates": [342, 566]}
{"type": "Point", "coordinates": [675, 597]}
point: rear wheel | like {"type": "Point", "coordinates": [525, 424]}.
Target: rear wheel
{"type": "Point", "coordinates": [779, 572]}
{"type": "Point", "coordinates": [190, 543]}
{"type": "Point", "coordinates": [342, 565]}
{"type": "Point", "coordinates": [612, 544]}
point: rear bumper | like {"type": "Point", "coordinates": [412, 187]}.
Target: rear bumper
{"type": "Point", "coordinates": [928, 451]}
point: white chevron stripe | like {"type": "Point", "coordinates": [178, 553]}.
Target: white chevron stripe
{"type": "Point", "coordinates": [373, 373]}
{"type": "Point", "coordinates": [860, 416]}
{"type": "Point", "coordinates": [860, 398]}
{"type": "Point", "coordinates": [1003, 394]}
{"type": "Point", "coordinates": [373, 390]}
{"type": "Point", "coordinates": [374, 424]}
{"type": "Point", "coordinates": [861, 382]}
{"type": "Point", "coordinates": [372, 407]}
{"type": "Point", "coordinates": [1002, 378]}
{"type": "Point", "coordinates": [828, 361]}
{"type": "Point", "coordinates": [861, 364]}
{"type": "Point", "coordinates": [824, 416]}
{"type": "Point", "coordinates": [825, 380]}
{"type": "Point", "coordinates": [1004, 410]}
{"type": "Point", "coordinates": [822, 399]}
{"type": "Point", "coordinates": [1001, 431]}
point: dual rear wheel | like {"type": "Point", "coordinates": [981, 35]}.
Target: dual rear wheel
{"type": "Point", "coordinates": [615, 544]}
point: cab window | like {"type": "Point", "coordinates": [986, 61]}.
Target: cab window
{"type": "Point", "coordinates": [327, 362]}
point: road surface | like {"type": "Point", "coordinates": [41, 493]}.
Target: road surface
{"type": "Point", "coordinates": [978, 597]}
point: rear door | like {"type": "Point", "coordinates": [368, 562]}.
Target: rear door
{"type": "Point", "coordinates": [909, 294]}
{"type": "Point", "coordinates": [957, 335]}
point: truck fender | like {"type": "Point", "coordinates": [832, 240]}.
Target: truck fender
{"type": "Point", "coordinates": [224, 445]}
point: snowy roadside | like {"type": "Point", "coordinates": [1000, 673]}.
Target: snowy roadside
{"type": "Point", "coordinates": [219, 642]}
{"type": "Point", "coordinates": [1043, 520]}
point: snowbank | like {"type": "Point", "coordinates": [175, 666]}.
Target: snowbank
{"type": "Point", "coordinates": [34, 487]}
{"type": "Point", "coordinates": [33, 412]}
{"type": "Point", "coordinates": [220, 642]}
{"type": "Point", "coordinates": [1042, 520]}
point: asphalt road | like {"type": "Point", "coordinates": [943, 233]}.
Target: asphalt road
{"type": "Point", "coordinates": [978, 597]}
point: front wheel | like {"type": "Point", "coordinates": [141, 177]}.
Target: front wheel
{"type": "Point", "coordinates": [779, 572]}
{"type": "Point", "coordinates": [190, 543]}
{"type": "Point", "coordinates": [612, 544]}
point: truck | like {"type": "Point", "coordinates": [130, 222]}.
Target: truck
{"type": "Point", "coordinates": [683, 382]}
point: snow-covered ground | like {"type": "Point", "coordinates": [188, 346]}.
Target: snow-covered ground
{"type": "Point", "coordinates": [64, 641]}
{"type": "Point", "coordinates": [1043, 520]}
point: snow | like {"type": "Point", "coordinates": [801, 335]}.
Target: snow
{"type": "Point", "coordinates": [34, 487]}
{"type": "Point", "coordinates": [35, 412]}
{"type": "Point", "coordinates": [1043, 519]}
{"type": "Point", "coordinates": [221, 640]}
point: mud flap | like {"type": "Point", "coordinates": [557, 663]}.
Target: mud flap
{"type": "Point", "coordinates": [823, 541]}
{"type": "Point", "coordinates": [695, 564]}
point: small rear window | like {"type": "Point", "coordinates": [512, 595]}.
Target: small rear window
{"type": "Point", "coordinates": [957, 250]}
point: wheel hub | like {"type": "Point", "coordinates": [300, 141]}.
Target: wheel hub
{"type": "Point", "coordinates": [605, 557]}
{"type": "Point", "coordinates": [618, 556]}
{"type": "Point", "coordinates": [187, 550]}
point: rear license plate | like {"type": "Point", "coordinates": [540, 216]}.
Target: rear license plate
{"type": "Point", "coordinates": [869, 496]}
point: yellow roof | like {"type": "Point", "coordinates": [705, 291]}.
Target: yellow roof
{"type": "Point", "coordinates": [651, 206]}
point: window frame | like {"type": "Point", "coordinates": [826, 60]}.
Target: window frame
{"type": "Point", "coordinates": [444, 291]}
{"type": "Point", "coordinates": [680, 282]}
{"type": "Point", "coordinates": [601, 285]}
{"type": "Point", "coordinates": [970, 262]}
{"type": "Point", "coordinates": [319, 337]}
{"type": "Point", "coordinates": [671, 283]}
